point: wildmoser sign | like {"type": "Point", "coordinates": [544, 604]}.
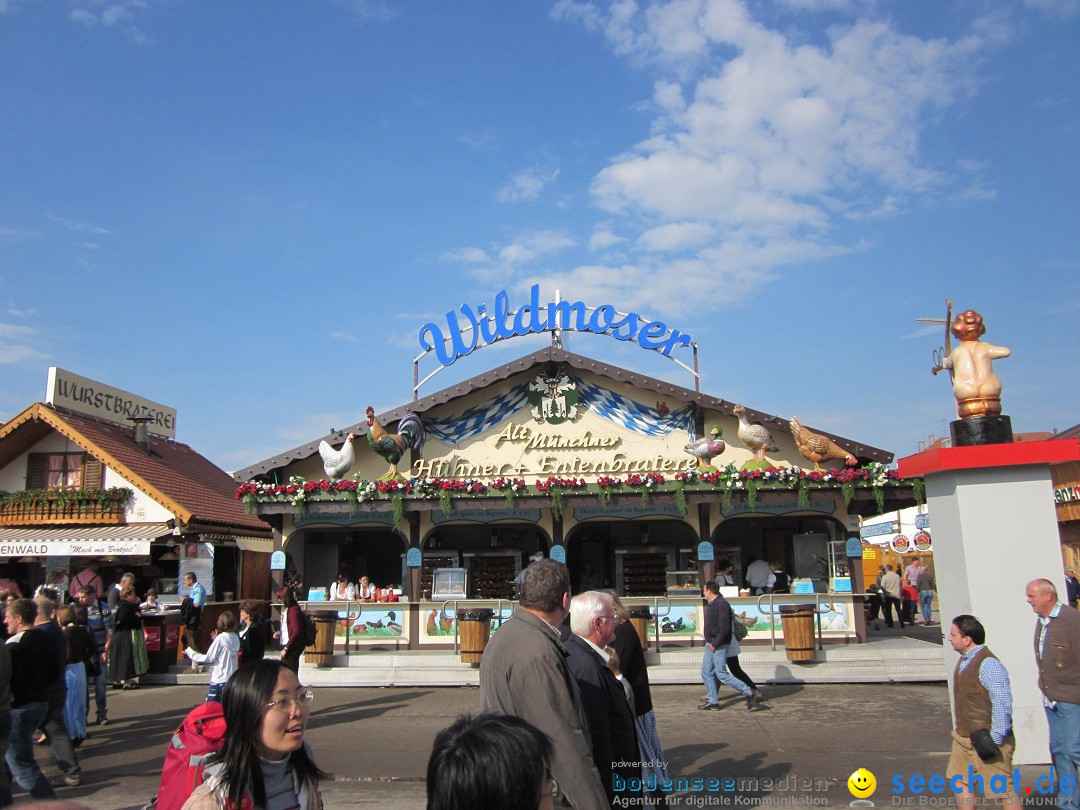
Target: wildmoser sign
{"type": "Point", "coordinates": [469, 328]}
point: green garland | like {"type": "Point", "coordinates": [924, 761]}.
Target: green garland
{"type": "Point", "coordinates": [802, 493]}
{"type": "Point", "coordinates": [919, 488]}
{"type": "Point", "coordinates": [604, 496]}
{"type": "Point", "coordinates": [446, 502]}
{"type": "Point", "coordinates": [399, 507]}
{"type": "Point", "coordinates": [81, 498]}
{"type": "Point", "coordinates": [556, 502]}
{"type": "Point", "coordinates": [680, 496]}
{"type": "Point", "coordinates": [751, 493]}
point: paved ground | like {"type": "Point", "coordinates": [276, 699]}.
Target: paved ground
{"type": "Point", "coordinates": [377, 741]}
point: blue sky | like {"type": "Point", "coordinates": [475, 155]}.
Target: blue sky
{"type": "Point", "coordinates": [248, 211]}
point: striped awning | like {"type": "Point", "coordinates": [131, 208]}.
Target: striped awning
{"type": "Point", "coordinates": [81, 541]}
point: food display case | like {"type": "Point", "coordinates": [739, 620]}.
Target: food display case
{"type": "Point", "coordinates": [432, 562]}
{"type": "Point", "coordinates": [642, 571]}
{"type": "Point", "coordinates": [449, 583]}
{"type": "Point", "coordinates": [683, 583]}
{"type": "Point", "coordinates": [491, 574]}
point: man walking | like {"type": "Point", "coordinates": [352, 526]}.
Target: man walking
{"type": "Point", "coordinates": [717, 638]}
{"type": "Point", "coordinates": [1057, 658]}
{"type": "Point", "coordinates": [524, 673]}
{"type": "Point", "coordinates": [891, 599]}
{"type": "Point", "coordinates": [55, 728]}
{"type": "Point", "coordinates": [982, 738]}
{"type": "Point", "coordinates": [99, 619]}
{"type": "Point", "coordinates": [1072, 587]}
{"type": "Point", "coordinates": [926, 586]}
{"type": "Point", "coordinates": [611, 723]}
{"type": "Point", "coordinates": [33, 667]}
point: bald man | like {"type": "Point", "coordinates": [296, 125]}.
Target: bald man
{"type": "Point", "coordinates": [1057, 657]}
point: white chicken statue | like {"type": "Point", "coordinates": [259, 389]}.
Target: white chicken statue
{"type": "Point", "coordinates": [704, 450]}
{"type": "Point", "coordinates": [754, 435]}
{"type": "Point", "coordinates": [337, 462]}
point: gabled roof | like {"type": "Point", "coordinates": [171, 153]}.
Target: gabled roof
{"type": "Point", "coordinates": [184, 482]}
{"type": "Point", "coordinates": [530, 362]}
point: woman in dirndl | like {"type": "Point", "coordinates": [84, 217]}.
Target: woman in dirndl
{"type": "Point", "coordinates": [127, 650]}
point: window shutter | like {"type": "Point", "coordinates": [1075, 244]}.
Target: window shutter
{"type": "Point", "coordinates": [93, 473]}
{"type": "Point", "coordinates": [36, 465]}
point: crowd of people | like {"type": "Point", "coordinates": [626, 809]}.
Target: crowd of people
{"type": "Point", "coordinates": [566, 713]}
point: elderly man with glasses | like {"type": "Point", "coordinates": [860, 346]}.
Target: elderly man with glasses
{"type": "Point", "coordinates": [611, 721]}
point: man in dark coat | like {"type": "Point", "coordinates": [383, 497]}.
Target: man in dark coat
{"type": "Point", "coordinates": [524, 673]}
{"type": "Point", "coordinates": [611, 722]}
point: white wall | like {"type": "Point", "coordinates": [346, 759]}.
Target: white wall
{"type": "Point", "coordinates": [995, 530]}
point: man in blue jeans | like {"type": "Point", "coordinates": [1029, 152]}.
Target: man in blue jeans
{"type": "Point", "coordinates": [717, 639]}
{"type": "Point", "coordinates": [33, 668]}
{"type": "Point", "coordinates": [1057, 658]}
{"type": "Point", "coordinates": [99, 619]}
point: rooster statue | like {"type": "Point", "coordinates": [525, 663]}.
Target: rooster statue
{"type": "Point", "coordinates": [392, 446]}
{"type": "Point", "coordinates": [754, 435]}
{"type": "Point", "coordinates": [704, 450]}
{"type": "Point", "coordinates": [337, 462]}
{"type": "Point", "coordinates": [816, 448]}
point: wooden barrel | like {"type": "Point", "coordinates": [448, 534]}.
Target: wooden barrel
{"type": "Point", "coordinates": [321, 653]}
{"type": "Point", "coordinates": [474, 628]}
{"type": "Point", "coordinates": [640, 618]}
{"type": "Point", "coordinates": [798, 624]}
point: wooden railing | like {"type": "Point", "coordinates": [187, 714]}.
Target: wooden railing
{"type": "Point", "coordinates": [60, 510]}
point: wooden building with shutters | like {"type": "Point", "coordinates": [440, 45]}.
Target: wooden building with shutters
{"type": "Point", "coordinates": [75, 487]}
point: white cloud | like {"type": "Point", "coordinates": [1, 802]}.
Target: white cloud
{"type": "Point", "coordinates": [526, 184]}
{"type": "Point", "coordinates": [763, 140]}
{"type": "Point", "coordinates": [78, 227]}
{"type": "Point", "coordinates": [120, 15]}
{"type": "Point", "coordinates": [12, 353]}
{"type": "Point", "coordinates": [603, 238]}
{"type": "Point", "coordinates": [11, 330]}
{"type": "Point", "coordinates": [345, 337]}
{"type": "Point", "coordinates": [1059, 10]}
{"type": "Point", "coordinates": [676, 236]}
{"type": "Point", "coordinates": [369, 10]}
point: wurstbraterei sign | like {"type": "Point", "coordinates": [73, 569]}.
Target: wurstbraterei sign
{"type": "Point", "coordinates": [97, 399]}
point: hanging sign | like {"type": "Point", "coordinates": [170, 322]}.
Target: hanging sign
{"type": "Point", "coordinates": [900, 544]}
{"type": "Point", "coordinates": [705, 551]}
{"type": "Point", "coordinates": [853, 547]}
{"type": "Point", "coordinates": [481, 327]}
{"type": "Point", "coordinates": [921, 541]}
{"type": "Point", "coordinates": [277, 561]}
{"type": "Point", "coordinates": [414, 558]}
{"type": "Point", "coordinates": [558, 554]}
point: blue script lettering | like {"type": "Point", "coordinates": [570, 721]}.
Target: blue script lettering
{"type": "Point", "coordinates": [501, 322]}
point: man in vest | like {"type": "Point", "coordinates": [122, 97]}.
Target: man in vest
{"type": "Point", "coordinates": [983, 743]}
{"type": "Point", "coordinates": [1057, 657]}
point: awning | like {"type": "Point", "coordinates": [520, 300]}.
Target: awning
{"type": "Point", "coordinates": [81, 541]}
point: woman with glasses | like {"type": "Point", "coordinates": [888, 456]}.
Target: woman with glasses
{"type": "Point", "coordinates": [491, 762]}
{"type": "Point", "coordinates": [264, 761]}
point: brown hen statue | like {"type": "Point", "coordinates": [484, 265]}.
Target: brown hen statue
{"type": "Point", "coordinates": [817, 448]}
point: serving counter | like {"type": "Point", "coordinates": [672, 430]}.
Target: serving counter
{"type": "Point", "coordinates": [673, 621]}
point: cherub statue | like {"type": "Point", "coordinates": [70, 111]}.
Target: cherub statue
{"type": "Point", "coordinates": [975, 385]}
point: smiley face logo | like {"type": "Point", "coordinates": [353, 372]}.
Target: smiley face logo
{"type": "Point", "coordinates": [861, 783]}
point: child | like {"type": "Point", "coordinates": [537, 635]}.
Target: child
{"type": "Point", "coordinates": [223, 654]}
